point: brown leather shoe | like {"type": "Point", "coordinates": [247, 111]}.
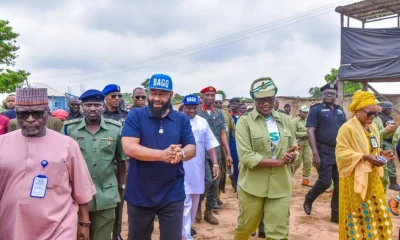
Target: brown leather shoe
{"type": "Point", "coordinates": [306, 183]}
{"type": "Point", "coordinates": [209, 217]}
{"type": "Point", "coordinates": [394, 206]}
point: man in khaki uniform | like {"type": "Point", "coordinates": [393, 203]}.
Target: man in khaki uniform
{"type": "Point", "coordinates": [100, 142]}
{"type": "Point", "coordinates": [305, 156]}
{"type": "Point", "coordinates": [266, 144]}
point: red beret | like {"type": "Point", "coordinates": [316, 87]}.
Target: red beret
{"type": "Point", "coordinates": [208, 89]}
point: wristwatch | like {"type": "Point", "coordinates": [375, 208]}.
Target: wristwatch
{"type": "Point", "coordinates": [183, 154]}
{"type": "Point", "coordinates": [122, 186]}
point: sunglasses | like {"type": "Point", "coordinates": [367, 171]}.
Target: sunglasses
{"type": "Point", "coordinates": [25, 114]}
{"type": "Point", "coordinates": [269, 100]}
{"type": "Point", "coordinates": [369, 114]}
{"type": "Point", "coordinates": [140, 97]}
{"type": "Point", "coordinates": [218, 102]}
{"type": "Point", "coordinates": [116, 95]}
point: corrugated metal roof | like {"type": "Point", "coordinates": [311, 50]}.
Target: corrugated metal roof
{"type": "Point", "coordinates": [370, 9]}
{"type": "Point", "coordinates": [50, 91]}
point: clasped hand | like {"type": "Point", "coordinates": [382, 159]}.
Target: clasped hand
{"type": "Point", "coordinates": [289, 155]}
{"type": "Point", "coordinates": [172, 154]}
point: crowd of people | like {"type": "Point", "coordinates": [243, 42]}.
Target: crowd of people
{"type": "Point", "coordinates": [66, 174]}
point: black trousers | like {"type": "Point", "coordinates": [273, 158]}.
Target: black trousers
{"type": "Point", "coordinates": [170, 218]}
{"type": "Point", "coordinates": [326, 173]}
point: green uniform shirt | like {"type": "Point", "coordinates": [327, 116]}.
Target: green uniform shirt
{"type": "Point", "coordinates": [300, 130]}
{"type": "Point", "coordinates": [52, 123]}
{"type": "Point", "coordinates": [99, 151]}
{"type": "Point", "coordinates": [381, 129]}
{"type": "Point", "coordinates": [396, 137]}
{"type": "Point", "coordinates": [253, 143]}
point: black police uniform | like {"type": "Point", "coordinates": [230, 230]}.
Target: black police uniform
{"type": "Point", "coordinates": [327, 122]}
{"type": "Point", "coordinates": [119, 115]}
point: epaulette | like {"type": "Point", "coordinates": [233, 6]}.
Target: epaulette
{"type": "Point", "coordinates": [108, 120]}
{"type": "Point", "coordinates": [78, 120]}
{"type": "Point", "coordinates": [125, 109]}
{"type": "Point", "coordinates": [315, 105]}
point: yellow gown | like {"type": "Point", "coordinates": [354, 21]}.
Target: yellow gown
{"type": "Point", "coordinates": [363, 210]}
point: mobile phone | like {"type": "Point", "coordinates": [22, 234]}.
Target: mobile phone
{"type": "Point", "coordinates": [382, 159]}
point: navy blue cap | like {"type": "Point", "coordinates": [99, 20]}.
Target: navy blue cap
{"type": "Point", "coordinates": [161, 82]}
{"type": "Point", "coordinates": [111, 88]}
{"type": "Point", "coordinates": [92, 95]}
{"type": "Point", "coordinates": [329, 86]}
{"type": "Point", "coordinates": [191, 100]}
{"type": "Point", "coordinates": [11, 114]}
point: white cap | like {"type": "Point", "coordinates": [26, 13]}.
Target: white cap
{"type": "Point", "coordinates": [218, 97]}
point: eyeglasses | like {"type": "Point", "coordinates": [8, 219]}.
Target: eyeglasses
{"type": "Point", "coordinates": [116, 95]}
{"type": "Point", "coordinates": [329, 93]}
{"type": "Point", "coordinates": [369, 114]}
{"type": "Point", "coordinates": [269, 100]}
{"type": "Point", "coordinates": [140, 97]}
{"type": "Point", "coordinates": [218, 102]}
{"type": "Point", "coordinates": [25, 114]}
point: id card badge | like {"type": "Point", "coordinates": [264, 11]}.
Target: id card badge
{"type": "Point", "coordinates": [39, 186]}
{"type": "Point", "coordinates": [374, 142]}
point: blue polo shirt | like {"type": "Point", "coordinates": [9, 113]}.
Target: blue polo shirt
{"type": "Point", "coordinates": [155, 184]}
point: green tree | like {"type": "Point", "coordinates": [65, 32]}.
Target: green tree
{"type": "Point", "coordinates": [9, 79]}
{"type": "Point", "coordinates": [315, 92]}
{"type": "Point", "coordinates": [127, 98]}
{"type": "Point", "coordinates": [177, 98]}
{"type": "Point", "coordinates": [222, 93]}
{"type": "Point", "coordinates": [349, 86]}
{"type": "Point", "coordinates": [145, 85]}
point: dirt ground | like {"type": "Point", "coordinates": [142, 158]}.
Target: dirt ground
{"type": "Point", "coordinates": [302, 227]}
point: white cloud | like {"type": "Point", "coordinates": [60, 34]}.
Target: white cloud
{"type": "Point", "coordinates": [74, 37]}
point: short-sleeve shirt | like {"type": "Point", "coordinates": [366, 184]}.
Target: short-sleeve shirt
{"type": "Point", "coordinates": [194, 168]}
{"type": "Point", "coordinates": [69, 184]}
{"type": "Point", "coordinates": [99, 151]}
{"type": "Point", "coordinates": [327, 122]}
{"type": "Point", "coordinates": [152, 184]}
{"type": "Point", "coordinates": [216, 121]}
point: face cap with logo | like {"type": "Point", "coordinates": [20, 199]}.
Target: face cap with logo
{"type": "Point", "coordinates": [191, 100]}
{"type": "Point", "coordinates": [161, 82]}
{"type": "Point", "coordinates": [111, 88]}
{"type": "Point", "coordinates": [304, 108]}
{"type": "Point", "coordinates": [218, 97]}
{"type": "Point", "coordinates": [263, 87]}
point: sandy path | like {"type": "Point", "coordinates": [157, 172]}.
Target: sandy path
{"type": "Point", "coordinates": [302, 227]}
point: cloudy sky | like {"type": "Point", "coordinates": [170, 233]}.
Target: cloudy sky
{"type": "Point", "coordinates": [224, 43]}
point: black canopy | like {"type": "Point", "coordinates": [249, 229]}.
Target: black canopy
{"type": "Point", "coordinates": [368, 54]}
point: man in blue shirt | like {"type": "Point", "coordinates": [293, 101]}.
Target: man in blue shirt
{"type": "Point", "coordinates": [157, 139]}
{"type": "Point", "coordinates": [323, 123]}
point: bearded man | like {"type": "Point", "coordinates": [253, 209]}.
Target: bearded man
{"type": "Point", "coordinates": [157, 139]}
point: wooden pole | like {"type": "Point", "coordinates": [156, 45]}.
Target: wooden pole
{"type": "Point", "coordinates": [380, 95]}
{"type": "Point", "coordinates": [365, 86]}
{"type": "Point", "coordinates": [340, 92]}
{"type": "Point", "coordinates": [348, 21]}
{"type": "Point", "coordinates": [342, 20]}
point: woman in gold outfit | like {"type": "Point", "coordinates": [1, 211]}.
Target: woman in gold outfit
{"type": "Point", "coordinates": [363, 210]}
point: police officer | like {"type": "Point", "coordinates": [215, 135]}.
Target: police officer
{"type": "Point", "coordinates": [323, 123]}
{"type": "Point", "coordinates": [113, 99]}
{"type": "Point", "coordinates": [387, 144]}
{"type": "Point", "coordinates": [100, 142]}
{"type": "Point", "coordinates": [266, 144]}
{"type": "Point", "coordinates": [305, 151]}
{"type": "Point", "coordinates": [215, 119]}
{"type": "Point", "coordinates": [74, 109]}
